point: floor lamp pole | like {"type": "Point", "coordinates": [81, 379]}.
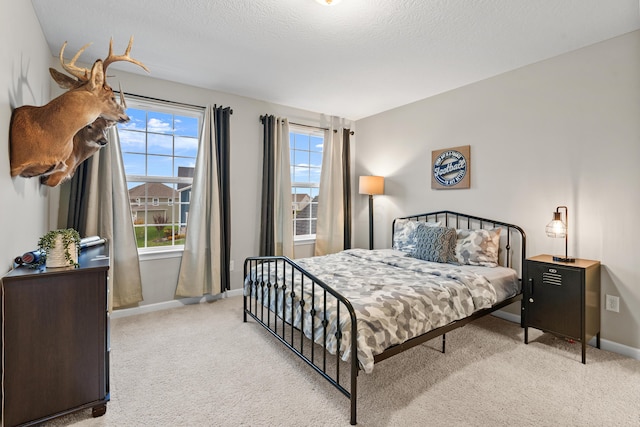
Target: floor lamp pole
{"type": "Point", "coordinates": [370, 221]}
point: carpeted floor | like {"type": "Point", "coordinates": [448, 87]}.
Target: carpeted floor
{"type": "Point", "coordinates": [200, 365]}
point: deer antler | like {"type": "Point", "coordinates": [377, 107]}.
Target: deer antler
{"type": "Point", "coordinates": [122, 101]}
{"type": "Point", "coordinates": [80, 73]}
{"type": "Point", "coordinates": [113, 58]}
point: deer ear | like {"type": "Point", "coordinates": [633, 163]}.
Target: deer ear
{"type": "Point", "coordinates": [97, 75]}
{"type": "Point", "coordinates": [64, 81]}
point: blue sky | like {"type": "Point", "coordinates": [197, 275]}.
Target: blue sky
{"type": "Point", "coordinates": [306, 151]}
{"type": "Point", "coordinates": [171, 141]}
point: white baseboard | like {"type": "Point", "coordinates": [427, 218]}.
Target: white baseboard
{"type": "Point", "coordinates": [611, 346]}
{"type": "Point", "coordinates": [165, 305]}
{"type": "Point", "coordinates": [615, 347]}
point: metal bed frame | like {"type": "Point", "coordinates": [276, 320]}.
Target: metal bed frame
{"type": "Point", "coordinates": [294, 338]}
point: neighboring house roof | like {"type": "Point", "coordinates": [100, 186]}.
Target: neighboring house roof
{"type": "Point", "coordinates": [154, 189]}
{"type": "Point", "coordinates": [300, 197]}
{"type": "Point", "coordinates": [300, 201]}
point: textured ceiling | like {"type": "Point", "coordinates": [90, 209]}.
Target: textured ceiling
{"type": "Point", "coordinates": [352, 60]}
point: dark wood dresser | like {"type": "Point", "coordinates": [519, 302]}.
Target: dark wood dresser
{"type": "Point", "coordinates": [55, 340]}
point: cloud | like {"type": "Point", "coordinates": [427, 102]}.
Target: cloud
{"type": "Point", "coordinates": [155, 125]}
{"type": "Point", "coordinates": [133, 124]}
{"type": "Point", "coordinates": [132, 141]}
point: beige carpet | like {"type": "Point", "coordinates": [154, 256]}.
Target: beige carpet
{"type": "Point", "coordinates": [200, 365]}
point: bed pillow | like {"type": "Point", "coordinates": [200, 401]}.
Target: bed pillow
{"type": "Point", "coordinates": [403, 233]}
{"type": "Point", "coordinates": [478, 247]}
{"type": "Point", "coordinates": [436, 244]}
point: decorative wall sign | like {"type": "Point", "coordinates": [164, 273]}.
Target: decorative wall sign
{"type": "Point", "coordinates": [451, 168]}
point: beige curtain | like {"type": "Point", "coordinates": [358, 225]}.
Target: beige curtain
{"type": "Point", "coordinates": [283, 227]}
{"type": "Point", "coordinates": [99, 206]}
{"type": "Point", "coordinates": [330, 226]}
{"type": "Point", "coordinates": [200, 266]}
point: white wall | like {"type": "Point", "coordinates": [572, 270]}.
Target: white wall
{"type": "Point", "coordinates": [24, 79]}
{"type": "Point", "coordinates": [565, 131]}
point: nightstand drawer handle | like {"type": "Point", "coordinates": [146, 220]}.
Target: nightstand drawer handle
{"type": "Point", "coordinates": [531, 287]}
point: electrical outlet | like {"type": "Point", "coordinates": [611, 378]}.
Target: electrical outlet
{"type": "Point", "coordinates": [612, 303]}
{"type": "Point", "coordinates": [231, 265]}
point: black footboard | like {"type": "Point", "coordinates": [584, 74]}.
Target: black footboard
{"type": "Point", "coordinates": [287, 301]}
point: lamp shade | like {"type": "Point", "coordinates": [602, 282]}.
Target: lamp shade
{"type": "Point", "coordinates": [556, 228]}
{"type": "Point", "coordinates": [371, 185]}
{"type": "Point", "coordinates": [328, 2]}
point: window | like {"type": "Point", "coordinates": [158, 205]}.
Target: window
{"type": "Point", "coordinates": [159, 147]}
{"type": "Point", "coordinates": [306, 163]}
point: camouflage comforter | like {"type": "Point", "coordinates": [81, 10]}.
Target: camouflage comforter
{"type": "Point", "coordinates": [395, 299]}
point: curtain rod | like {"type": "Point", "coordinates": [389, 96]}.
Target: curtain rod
{"type": "Point", "coordinates": [309, 126]}
{"type": "Point", "coordinates": [317, 127]}
{"type": "Point", "coordinates": [150, 98]}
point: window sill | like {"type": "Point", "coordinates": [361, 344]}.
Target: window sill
{"type": "Point", "coordinates": [309, 241]}
{"type": "Point", "coordinates": [149, 255]}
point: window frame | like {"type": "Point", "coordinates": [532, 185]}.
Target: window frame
{"type": "Point", "coordinates": [310, 131]}
{"type": "Point", "coordinates": [174, 109]}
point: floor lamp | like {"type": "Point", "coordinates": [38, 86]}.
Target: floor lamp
{"type": "Point", "coordinates": [371, 185]}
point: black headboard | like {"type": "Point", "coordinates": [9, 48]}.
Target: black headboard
{"type": "Point", "coordinates": [513, 240]}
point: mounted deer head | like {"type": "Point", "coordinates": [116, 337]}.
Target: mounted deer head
{"type": "Point", "coordinates": [86, 142]}
{"type": "Point", "coordinates": [41, 138]}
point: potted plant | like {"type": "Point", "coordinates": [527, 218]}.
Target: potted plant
{"type": "Point", "coordinates": [61, 247]}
